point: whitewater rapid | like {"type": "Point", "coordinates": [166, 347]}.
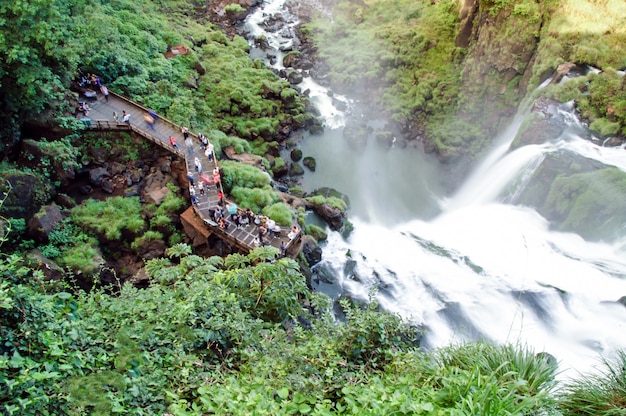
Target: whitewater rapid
{"type": "Point", "coordinates": [465, 266]}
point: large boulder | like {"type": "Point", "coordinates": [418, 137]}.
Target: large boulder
{"type": "Point", "coordinates": [334, 217]}
{"type": "Point", "coordinates": [50, 269]}
{"type": "Point", "coordinates": [545, 122]}
{"type": "Point", "coordinates": [246, 158]}
{"type": "Point", "coordinates": [23, 193]}
{"type": "Point", "coordinates": [44, 222]}
{"type": "Point", "coordinates": [96, 175]}
{"type": "Point", "coordinates": [311, 250]}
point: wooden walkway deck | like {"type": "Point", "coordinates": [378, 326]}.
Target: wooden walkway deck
{"type": "Point", "coordinates": [101, 118]}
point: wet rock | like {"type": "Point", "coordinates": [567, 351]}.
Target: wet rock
{"type": "Point", "coordinates": [96, 175]}
{"type": "Point", "coordinates": [311, 250]}
{"type": "Point", "coordinates": [296, 155]}
{"type": "Point", "coordinates": [98, 155]}
{"type": "Point", "coordinates": [44, 222]}
{"type": "Point", "coordinates": [562, 70]}
{"type": "Point", "coordinates": [294, 77]}
{"type": "Point", "coordinates": [50, 269]}
{"type": "Point", "coordinates": [246, 158]}
{"type": "Point", "coordinates": [85, 189]}
{"type": "Point", "coordinates": [133, 190]}
{"type": "Point", "coordinates": [292, 59]}
{"type": "Point", "coordinates": [25, 194]}
{"type": "Point", "coordinates": [65, 201]}
{"type": "Point", "coordinates": [107, 186]}
{"type": "Point", "coordinates": [310, 163]}
{"type": "Point", "coordinates": [152, 249]}
{"type": "Point", "coordinates": [165, 165]}
{"type": "Point", "coordinates": [334, 217]}
{"type": "Point", "coordinates": [199, 68]}
{"type": "Point", "coordinates": [156, 196]}
{"type": "Point", "coordinates": [116, 168]}
{"type": "Point", "coordinates": [136, 175]}
{"type": "Point", "coordinates": [295, 170]}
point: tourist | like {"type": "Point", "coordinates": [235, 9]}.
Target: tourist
{"type": "Point", "coordinates": [116, 118]}
{"type": "Point", "coordinates": [293, 233]}
{"type": "Point", "coordinates": [185, 132]}
{"type": "Point", "coordinates": [189, 145]}
{"type": "Point", "coordinates": [149, 121]}
{"type": "Point", "coordinates": [125, 117]}
{"type": "Point", "coordinates": [209, 152]}
{"type": "Point", "coordinates": [283, 249]}
{"type": "Point", "coordinates": [190, 178]}
{"type": "Point", "coordinates": [197, 164]}
{"type": "Point", "coordinates": [270, 226]}
{"type": "Point", "coordinates": [173, 142]}
{"type": "Point", "coordinates": [104, 92]}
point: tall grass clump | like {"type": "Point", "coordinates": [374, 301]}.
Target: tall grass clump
{"type": "Point", "coordinates": [485, 379]}
{"type": "Point", "coordinates": [110, 217]}
{"type": "Point", "coordinates": [600, 393]}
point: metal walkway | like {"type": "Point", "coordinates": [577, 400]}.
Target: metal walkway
{"type": "Point", "coordinates": [100, 117]}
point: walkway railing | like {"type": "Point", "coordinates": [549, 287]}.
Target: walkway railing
{"type": "Point", "coordinates": [113, 125]}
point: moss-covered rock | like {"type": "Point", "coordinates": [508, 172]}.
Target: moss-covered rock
{"type": "Point", "coordinates": [579, 195]}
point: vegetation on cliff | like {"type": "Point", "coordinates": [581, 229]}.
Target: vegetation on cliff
{"type": "Point", "coordinates": [452, 82]}
{"type": "Point", "coordinates": [234, 335]}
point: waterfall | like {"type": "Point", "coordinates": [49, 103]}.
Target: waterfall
{"type": "Point", "coordinates": [470, 266]}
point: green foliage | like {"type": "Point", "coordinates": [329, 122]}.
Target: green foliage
{"type": "Point", "coordinates": [332, 201]}
{"type": "Point", "coordinates": [110, 217]}
{"type": "Point", "coordinates": [591, 204]}
{"type": "Point", "coordinates": [403, 48]}
{"type": "Point", "coordinates": [316, 232]}
{"type": "Point", "coordinates": [599, 393]}
{"type": "Point", "coordinates": [256, 199]}
{"type": "Point", "coordinates": [179, 250]}
{"type": "Point", "coordinates": [61, 153]}
{"type": "Point", "coordinates": [171, 205]}
{"type": "Point", "coordinates": [234, 8]}
{"type": "Point", "coordinates": [145, 238]}
{"type": "Point", "coordinates": [374, 348]}
{"type": "Point", "coordinates": [71, 247]}
{"type": "Point", "coordinates": [242, 175]}
{"type": "Point", "coordinates": [279, 212]}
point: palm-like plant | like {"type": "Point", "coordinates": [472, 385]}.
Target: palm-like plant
{"type": "Point", "coordinates": [263, 253]}
{"type": "Point", "coordinates": [236, 261]}
{"type": "Point", "coordinates": [179, 250]}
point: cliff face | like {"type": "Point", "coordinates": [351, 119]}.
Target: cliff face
{"type": "Point", "coordinates": [501, 49]}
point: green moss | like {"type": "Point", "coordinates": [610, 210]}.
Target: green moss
{"type": "Point", "coordinates": [110, 217]}
{"type": "Point", "coordinates": [591, 204]}
{"type": "Point", "coordinates": [279, 212]}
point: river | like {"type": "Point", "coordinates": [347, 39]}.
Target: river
{"type": "Point", "coordinates": [466, 266]}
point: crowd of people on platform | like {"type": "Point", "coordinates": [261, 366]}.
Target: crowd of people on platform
{"type": "Point", "coordinates": [224, 214]}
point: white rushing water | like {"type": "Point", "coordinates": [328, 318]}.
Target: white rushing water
{"type": "Point", "coordinates": [468, 266]}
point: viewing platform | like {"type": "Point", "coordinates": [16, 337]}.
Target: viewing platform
{"type": "Point", "coordinates": [100, 117]}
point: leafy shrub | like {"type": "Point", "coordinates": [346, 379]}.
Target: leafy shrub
{"type": "Point", "coordinates": [316, 232]}
{"type": "Point", "coordinates": [242, 175]}
{"type": "Point", "coordinates": [279, 212]}
{"type": "Point", "coordinates": [110, 217]}
{"type": "Point", "coordinates": [599, 393]}
{"type": "Point", "coordinates": [256, 199]}
{"type": "Point", "coordinates": [171, 205]}
{"type": "Point", "coordinates": [332, 201]}
{"type": "Point", "coordinates": [146, 238]}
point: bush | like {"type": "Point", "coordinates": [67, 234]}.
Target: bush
{"type": "Point", "coordinates": [279, 212]}
{"type": "Point", "coordinates": [243, 176]}
{"type": "Point", "coordinates": [110, 217]}
{"type": "Point", "coordinates": [256, 199]}
{"type": "Point", "coordinates": [602, 393]}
